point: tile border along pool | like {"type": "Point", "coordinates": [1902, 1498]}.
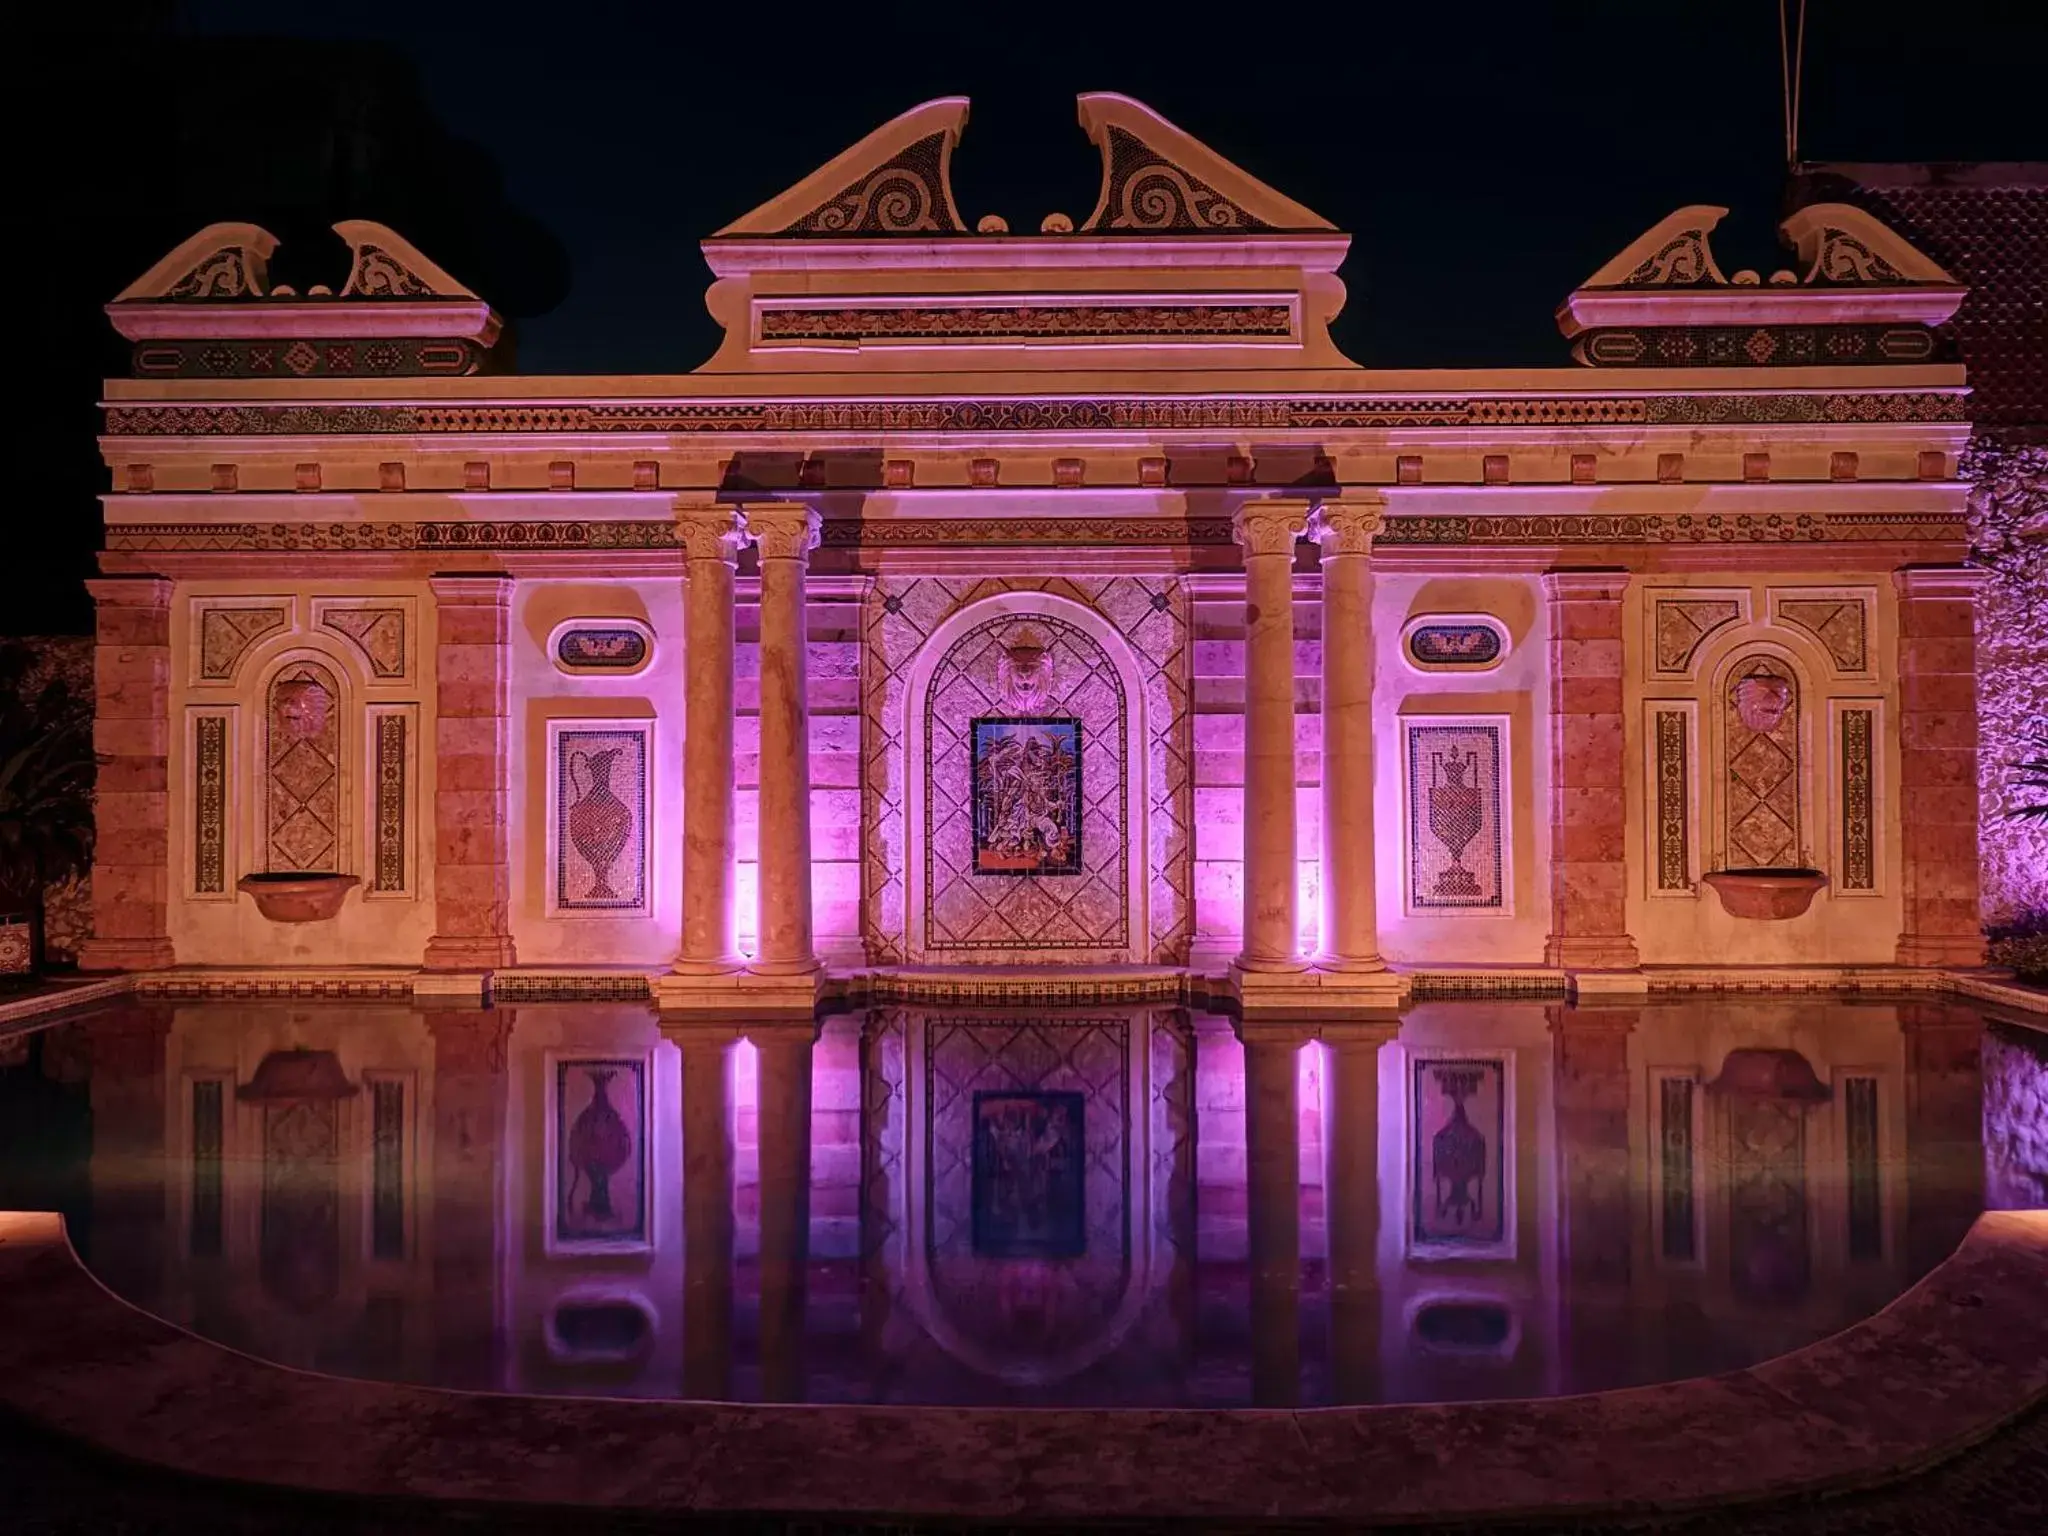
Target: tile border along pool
{"type": "Point", "coordinates": [1942, 1367]}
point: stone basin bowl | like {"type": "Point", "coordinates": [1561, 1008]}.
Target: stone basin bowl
{"type": "Point", "coordinates": [298, 898]}
{"type": "Point", "coordinates": [1767, 895]}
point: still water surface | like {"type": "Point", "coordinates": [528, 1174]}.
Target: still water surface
{"type": "Point", "coordinates": [1105, 1207]}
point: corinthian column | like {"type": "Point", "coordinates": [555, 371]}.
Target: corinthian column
{"type": "Point", "coordinates": [784, 534]}
{"type": "Point", "coordinates": [711, 536]}
{"type": "Point", "coordinates": [1266, 531]}
{"type": "Point", "coordinates": [1350, 929]}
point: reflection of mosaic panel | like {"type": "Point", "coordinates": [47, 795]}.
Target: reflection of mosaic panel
{"type": "Point", "coordinates": [1837, 622]}
{"type": "Point", "coordinates": [226, 633]}
{"type": "Point", "coordinates": [1079, 902]}
{"type": "Point", "coordinates": [207, 1148]}
{"type": "Point", "coordinates": [599, 1170]}
{"type": "Point", "coordinates": [601, 800]}
{"type": "Point", "coordinates": [1029, 1167]}
{"type": "Point", "coordinates": [387, 1169]}
{"type": "Point", "coordinates": [379, 633]}
{"type": "Point", "coordinates": [1674, 871]}
{"type": "Point", "coordinates": [1015, 1304]}
{"type": "Point", "coordinates": [1859, 861]}
{"type": "Point", "coordinates": [210, 804]}
{"type": "Point", "coordinates": [300, 1248]}
{"type": "Point", "coordinates": [1768, 1254]}
{"type": "Point", "coordinates": [1459, 1153]}
{"type": "Point", "coordinates": [1761, 771]}
{"type": "Point", "coordinates": [1859, 1124]}
{"type": "Point", "coordinates": [1456, 853]}
{"type": "Point", "coordinates": [388, 869]}
{"type": "Point", "coordinates": [1682, 623]}
{"type": "Point", "coordinates": [1026, 774]}
{"type": "Point", "coordinates": [1675, 1100]}
{"type": "Point", "coordinates": [302, 759]}
{"type": "Point", "coordinates": [1152, 615]}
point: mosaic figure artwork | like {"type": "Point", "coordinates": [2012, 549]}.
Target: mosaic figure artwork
{"type": "Point", "coordinates": [598, 1171]}
{"type": "Point", "coordinates": [601, 796]}
{"type": "Point", "coordinates": [1761, 768]}
{"type": "Point", "coordinates": [1467, 644]}
{"type": "Point", "coordinates": [1029, 1160]}
{"type": "Point", "coordinates": [1027, 796]}
{"type": "Point", "coordinates": [1456, 851]}
{"type": "Point", "coordinates": [601, 648]}
{"type": "Point", "coordinates": [302, 800]}
{"type": "Point", "coordinates": [1459, 1153]}
{"type": "Point", "coordinates": [1859, 830]}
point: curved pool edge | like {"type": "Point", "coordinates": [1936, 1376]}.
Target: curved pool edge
{"type": "Point", "coordinates": [1945, 1365]}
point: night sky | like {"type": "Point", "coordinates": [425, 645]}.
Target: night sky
{"type": "Point", "coordinates": [565, 161]}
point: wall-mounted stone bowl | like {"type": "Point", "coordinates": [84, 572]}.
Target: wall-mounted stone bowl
{"type": "Point", "coordinates": [1766, 895]}
{"type": "Point", "coordinates": [298, 898]}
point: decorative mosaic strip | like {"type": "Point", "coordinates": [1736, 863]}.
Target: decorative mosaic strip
{"type": "Point", "coordinates": [388, 870]}
{"type": "Point", "coordinates": [387, 1169]}
{"type": "Point", "coordinates": [1675, 528]}
{"type": "Point", "coordinates": [1859, 840]}
{"type": "Point", "coordinates": [210, 804]}
{"type": "Point", "coordinates": [890, 988]}
{"type": "Point", "coordinates": [999, 414]}
{"type": "Point", "coordinates": [1754, 346]}
{"type": "Point", "coordinates": [1675, 1100]}
{"type": "Point", "coordinates": [1025, 321]}
{"type": "Point", "coordinates": [207, 1148]}
{"type": "Point", "coordinates": [1859, 1125]}
{"type": "Point", "coordinates": [1427, 985]}
{"type": "Point", "coordinates": [1674, 871]}
{"type": "Point", "coordinates": [200, 987]}
{"type": "Point", "coordinates": [569, 989]}
{"type": "Point", "coordinates": [306, 358]}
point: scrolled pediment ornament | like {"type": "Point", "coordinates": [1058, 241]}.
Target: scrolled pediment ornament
{"type": "Point", "coordinates": [906, 196]}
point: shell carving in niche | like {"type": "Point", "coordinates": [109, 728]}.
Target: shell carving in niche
{"type": "Point", "coordinates": [302, 707]}
{"type": "Point", "coordinates": [1024, 673]}
{"type": "Point", "coordinates": [1761, 701]}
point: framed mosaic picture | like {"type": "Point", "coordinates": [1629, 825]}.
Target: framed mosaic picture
{"type": "Point", "coordinates": [599, 1164]}
{"type": "Point", "coordinates": [1029, 1166]}
{"type": "Point", "coordinates": [1454, 820]}
{"type": "Point", "coordinates": [1461, 1155]}
{"type": "Point", "coordinates": [1026, 776]}
{"type": "Point", "coordinates": [600, 779]}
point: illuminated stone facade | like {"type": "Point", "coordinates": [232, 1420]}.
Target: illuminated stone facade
{"type": "Point", "coordinates": [677, 678]}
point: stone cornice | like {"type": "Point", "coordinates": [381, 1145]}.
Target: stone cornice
{"type": "Point", "coordinates": [1938, 581]}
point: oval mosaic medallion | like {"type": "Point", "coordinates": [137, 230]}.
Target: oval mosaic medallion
{"type": "Point", "coordinates": [602, 648]}
{"type": "Point", "coordinates": [1462, 643]}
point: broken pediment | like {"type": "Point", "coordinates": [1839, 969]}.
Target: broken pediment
{"type": "Point", "coordinates": [1157, 179]}
{"type": "Point", "coordinates": [1864, 297]}
{"type": "Point", "coordinates": [222, 261]}
{"type": "Point", "coordinates": [896, 181]}
{"type": "Point", "coordinates": [387, 266]}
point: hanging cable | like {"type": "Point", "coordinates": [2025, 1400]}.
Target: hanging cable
{"type": "Point", "coordinates": [1791, 68]}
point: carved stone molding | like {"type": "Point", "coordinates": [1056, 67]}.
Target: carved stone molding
{"type": "Point", "coordinates": [782, 530]}
{"type": "Point", "coordinates": [711, 531]}
{"type": "Point", "coordinates": [1269, 527]}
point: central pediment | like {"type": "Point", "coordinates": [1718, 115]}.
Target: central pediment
{"type": "Point", "coordinates": [1185, 261]}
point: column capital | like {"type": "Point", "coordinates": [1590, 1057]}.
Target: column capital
{"type": "Point", "coordinates": [1269, 527]}
{"type": "Point", "coordinates": [1347, 527]}
{"type": "Point", "coordinates": [710, 530]}
{"type": "Point", "coordinates": [1938, 581]}
{"type": "Point", "coordinates": [481, 589]}
{"type": "Point", "coordinates": [1606, 584]}
{"type": "Point", "coordinates": [782, 530]}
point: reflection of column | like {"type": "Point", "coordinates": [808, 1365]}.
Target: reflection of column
{"type": "Point", "coordinates": [470, 1090]}
{"type": "Point", "coordinates": [1944, 1158]}
{"type": "Point", "coordinates": [1938, 766]}
{"type": "Point", "coordinates": [131, 734]}
{"type": "Point", "coordinates": [1267, 531]}
{"type": "Point", "coordinates": [1590, 1089]}
{"type": "Point", "coordinates": [712, 536]}
{"type": "Point", "coordinates": [472, 751]}
{"type": "Point", "coordinates": [783, 1133]}
{"type": "Point", "coordinates": [785, 534]}
{"type": "Point", "coordinates": [1351, 1204]}
{"type": "Point", "coordinates": [1350, 927]}
{"type": "Point", "coordinates": [1588, 816]}
{"type": "Point", "coordinates": [1272, 1145]}
{"type": "Point", "coordinates": [707, 1210]}
{"type": "Point", "coordinates": [128, 1095]}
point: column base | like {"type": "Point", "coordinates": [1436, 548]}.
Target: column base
{"type": "Point", "coordinates": [1930, 951]}
{"type": "Point", "coordinates": [736, 993]}
{"type": "Point", "coordinates": [486, 952]}
{"type": "Point", "coordinates": [451, 989]}
{"type": "Point", "coordinates": [1318, 994]}
{"type": "Point", "coordinates": [1590, 986]}
{"type": "Point", "coordinates": [97, 954]}
{"type": "Point", "coordinates": [808, 966]}
{"type": "Point", "coordinates": [1591, 952]}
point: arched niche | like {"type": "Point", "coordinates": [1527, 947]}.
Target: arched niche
{"type": "Point", "coordinates": [1761, 811]}
{"type": "Point", "coordinates": [954, 914]}
{"type": "Point", "coordinates": [303, 789]}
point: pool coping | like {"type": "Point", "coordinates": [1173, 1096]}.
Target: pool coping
{"type": "Point", "coordinates": [1945, 1365]}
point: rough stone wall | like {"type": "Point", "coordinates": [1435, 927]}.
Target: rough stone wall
{"type": "Point", "coordinates": [2009, 533]}
{"type": "Point", "coordinates": [2015, 1120]}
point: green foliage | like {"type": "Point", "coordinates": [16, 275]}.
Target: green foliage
{"type": "Point", "coordinates": [2021, 946]}
{"type": "Point", "coordinates": [46, 776]}
{"type": "Point", "coordinates": [2031, 774]}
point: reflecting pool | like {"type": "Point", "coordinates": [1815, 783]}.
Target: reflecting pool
{"type": "Point", "coordinates": [1115, 1207]}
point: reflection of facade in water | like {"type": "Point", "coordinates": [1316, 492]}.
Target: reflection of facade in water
{"type": "Point", "coordinates": [1679, 1189]}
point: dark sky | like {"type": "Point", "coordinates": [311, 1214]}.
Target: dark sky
{"type": "Point", "coordinates": [565, 160]}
